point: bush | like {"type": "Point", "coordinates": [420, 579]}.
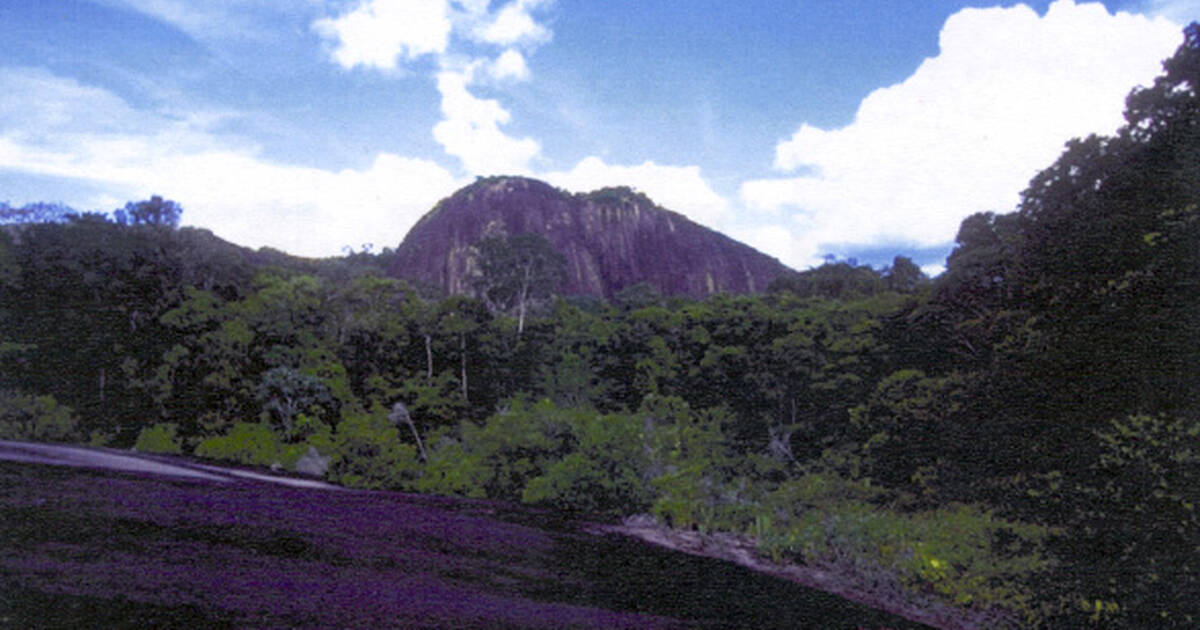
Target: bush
{"type": "Point", "coordinates": [519, 444]}
{"type": "Point", "coordinates": [1131, 553]}
{"type": "Point", "coordinates": [961, 554]}
{"type": "Point", "coordinates": [450, 471]}
{"type": "Point", "coordinates": [253, 444]}
{"type": "Point", "coordinates": [159, 438]}
{"type": "Point", "coordinates": [37, 418]}
{"type": "Point", "coordinates": [689, 461]}
{"type": "Point", "coordinates": [607, 473]}
{"type": "Point", "coordinates": [367, 453]}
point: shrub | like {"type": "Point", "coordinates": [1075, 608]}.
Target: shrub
{"type": "Point", "coordinates": [962, 554]}
{"type": "Point", "coordinates": [519, 444]}
{"type": "Point", "coordinates": [606, 474]}
{"type": "Point", "coordinates": [38, 418]}
{"type": "Point", "coordinates": [253, 444]}
{"type": "Point", "coordinates": [451, 471]}
{"type": "Point", "coordinates": [159, 438]}
{"type": "Point", "coordinates": [367, 453]}
{"type": "Point", "coordinates": [1131, 553]}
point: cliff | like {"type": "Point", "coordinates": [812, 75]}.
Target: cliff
{"type": "Point", "coordinates": [611, 238]}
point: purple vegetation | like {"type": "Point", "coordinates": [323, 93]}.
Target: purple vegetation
{"type": "Point", "coordinates": [82, 548]}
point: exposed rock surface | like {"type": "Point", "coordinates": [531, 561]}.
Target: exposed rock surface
{"type": "Point", "coordinates": [611, 238]}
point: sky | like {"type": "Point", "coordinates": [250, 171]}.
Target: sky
{"type": "Point", "coordinates": [857, 129]}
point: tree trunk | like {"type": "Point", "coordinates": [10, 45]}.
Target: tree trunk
{"type": "Point", "coordinates": [521, 304]}
{"type": "Point", "coordinates": [428, 357]}
{"type": "Point", "coordinates": [400, 414]}
{"type": "Point", "coordinates": [462, 351]}
{"type": "Point", "coordinates": [420, 446]}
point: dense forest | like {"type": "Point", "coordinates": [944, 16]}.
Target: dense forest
{"type": "Point", "coordinates": [1019, 437]}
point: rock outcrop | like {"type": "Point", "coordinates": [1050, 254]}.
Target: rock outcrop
{"type": "Point", "coordinates": [611, 238]}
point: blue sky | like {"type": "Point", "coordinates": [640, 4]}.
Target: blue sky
{"type": "Point", "coordinates": [857, 128]}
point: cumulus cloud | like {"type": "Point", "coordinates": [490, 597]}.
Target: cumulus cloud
{"type": "Point", "coordinates": [222, 186]}
{"type": "Point", "coordinates": [471, 131]}
{"type": "Point", "coordinates": [513, 25]}
{"type": "Point", "coordinates": [382, 33]}
{"type": "Point", "coordinates": [678, 188]}
{"type": "Point", "coordinates": [966, 131]}
{"type": "Point", "coordinates": [510, 65]}
{"type": "Point", "coordinates": [377, 33]}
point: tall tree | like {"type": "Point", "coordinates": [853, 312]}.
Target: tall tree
{"type": "Point", "coordinates": [516, 271]}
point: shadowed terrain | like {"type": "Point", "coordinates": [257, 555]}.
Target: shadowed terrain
{"type": "Point", "coordinates": [88, 548]}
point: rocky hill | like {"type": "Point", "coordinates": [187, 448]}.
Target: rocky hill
{"type": "Point", "coordinates": [611, 238]}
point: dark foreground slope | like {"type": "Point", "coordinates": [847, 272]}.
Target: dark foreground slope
{"type": "Point", "coordinates": [84, 548]}
{"type": "Point", "coordinates": [611, 239]}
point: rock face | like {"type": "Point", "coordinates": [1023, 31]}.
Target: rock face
{"type": "Point", "coordinates": [611, 238]}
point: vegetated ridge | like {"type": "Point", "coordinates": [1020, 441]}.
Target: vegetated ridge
{"type": "Point", "coordinates": [611, 238]}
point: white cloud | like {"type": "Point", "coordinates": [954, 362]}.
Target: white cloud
{"type": "Point", "coordinates": [933, 270]}
{"type": "Point", "coordinates": [513, 25]}
{"type": "Point", "coordinates": [222, 186]}
{"type": "Point", "coordinates": [471, 131]}
{"type": "Point", "coordinates": [510, 65]}
{"type": "Point", "coordinates": [378, 32]}
{"type": "Point", "coordinates": [967, 130]}
{"type": "Point", "coordinates": [678, 188]}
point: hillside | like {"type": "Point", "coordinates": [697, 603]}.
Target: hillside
{"type": "Point", "coordinates": [612, 238]}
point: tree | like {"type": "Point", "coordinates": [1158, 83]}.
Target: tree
{"type": "Point", "coordinates": [461, 319]}
{"type": "Point", "coordinates": [1109, 253]}
{"type": "Point", "coordinates": [286, 393]}
{"type": "Point", "coordinates": [516, 271]}
{"type": "Point", "coordinates": [37, 212]}
{"type": "Point", "coordinates": [838, 280]}
{"type": "Point", "coordinates": [904, 276]}
{"type": "Point", "coordinates": [155, 212]}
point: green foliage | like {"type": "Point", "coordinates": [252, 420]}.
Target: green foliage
{"type": "Point", "coordinates": [367, 452]}
{"type": "Point", "coordinates": [577, 483]}
{"type": "Point", "coordinates": [285, 393]}
{"type": "Point", "coordinates": [912, 425]}
{"type": "Point", "coordinates": [517, 271]}
{"type": "Point", "coordinates": [255, 444]}
{"type": "Point", "coordinates": [452, 471]}
{"type": "Point", "coordinates": [519, 444]}
{"type": "Point", "coordinates": [1135, 536]}
{"type": "Point", "coordinates": [159, 438]}
{"type": "Point", "coordinates": [689, 461]}
{"type": "Point", "coordinates": [839, 280]}
{"type": "Point", "coordinates": [904, 276]}
{"type": "Point", "coordinates": [962, 554]}
{"type": "Point", "coordinates": [572, 382]}
{"type": "Point", "coordinates": [36, 418]}
{"type": "Point", "coordinates": [607, 473]}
